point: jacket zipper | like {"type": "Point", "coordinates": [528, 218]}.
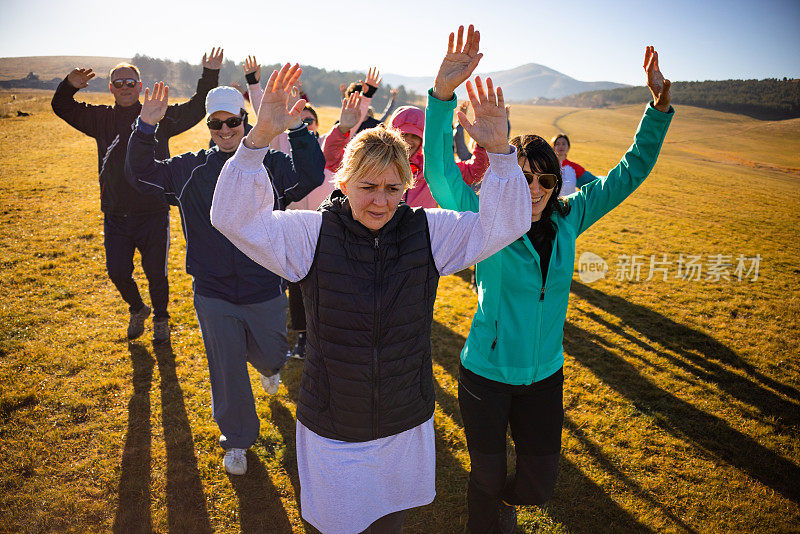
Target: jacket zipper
{"type": "Point", "coordinates": [376, 332]}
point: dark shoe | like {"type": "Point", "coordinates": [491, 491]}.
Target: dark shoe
{"type": "Point", "coordinates": [508, 518]}
{"type": "Point", "coordinates": [299, 350]}
{"type": "Point", "coordinates": [136, 322]}
{"type": "Point", "coordinates": [160, 330]}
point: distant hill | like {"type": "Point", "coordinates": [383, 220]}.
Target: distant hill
{"type": "Point", "coordinates": [519, 84]}
{"type": "Point", "coordinates": [49, 67]}
{"type": "Point", "coordinates": [770, 99]}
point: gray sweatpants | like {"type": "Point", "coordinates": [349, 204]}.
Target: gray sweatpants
{"type": "Point", "coordinates": [233, 335]}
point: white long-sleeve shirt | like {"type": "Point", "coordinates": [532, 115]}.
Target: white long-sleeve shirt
{"type": "Point", "coordinates": [285, 241]}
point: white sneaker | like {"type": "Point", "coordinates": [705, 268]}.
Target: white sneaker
{"type": "Point", "coordinates": [235, 461]}
{"type": "Point", "coordinates": [271, 383]}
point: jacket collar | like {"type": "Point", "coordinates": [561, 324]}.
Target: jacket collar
{"type": "Point", "coordinates": [338, 203]}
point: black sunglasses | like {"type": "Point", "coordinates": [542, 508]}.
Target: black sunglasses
{"type": "Point", "coordinates": [232, 122]}
{"type": "Point", "coordinates": [547, 181]}
{"type": "Point", "coordinates": [129, 82]}
{"type": "Point", "coordinates": [309, 120]}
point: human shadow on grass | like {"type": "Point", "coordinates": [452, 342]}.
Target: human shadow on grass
{"type": "Point", "coordinates": [700, 354]}
{"type": "Point", "coordinates": [133, 510]}
{"type": "Point", "coordinates": [186, 502]}
{"type": "Point", "coordinates": [186, 505]}
{"type": "Point", "coordinates": [680, 418]}
{"type": "Point", "coordinates": [595, 452]}
{"type": "Point", "coordinates": [260, 507]}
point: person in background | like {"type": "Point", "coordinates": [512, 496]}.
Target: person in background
{"type": "Point", "coordinates": [410, 121]}
{"type": "Point", "coordinates": [390, 105]}
{"type": "Point", "coordinates": [132, 220]}
{"type": "Point", "coordinates": [240, 305]}
{"type": "Point", "coordinates": [573, 176]}
{"type": "Point", "coordinates": [347, 119]}
{"type": "Point", "coordinates": [369, 266]}
{"type": "Point", "coordinates": [511, 370]}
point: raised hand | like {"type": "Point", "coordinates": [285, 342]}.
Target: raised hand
{"type": "Point", "coordinates": [374, 77]}
{"type": "Point", "coordinates": [458, 64]}
{"type": "Point", "coordinates": [490, 129]}
{"type": "Point", "coordinates": [213, 60]}
{"type": "Point", "coordinates": [656, 82]}
{"type": "Point", "coordinates": [154, 108]}
{"type": "Point", "coordinates": [394, 92]}
{"type": "Point", "coordinates": [274, 115]}
{"type": "Point", "coordinates": [351, 112]}
{"type": "Point", "coordinates": [79, 78]}
{"type": "Point", "coordinates": [251, 66]}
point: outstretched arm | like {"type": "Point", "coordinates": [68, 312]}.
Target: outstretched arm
{"type": "Point", "coordinates": [339, 136]}
{"type": "Point", "coordinates": [252, 73]}
{"type": "Point", "coordinates": [85, 118]}
{"type": "Point", "coordinates": [181, 117]}
{"type": "Point", "coordinates": [604, 194]}
{"type": "Point", "coordinates": [143, 171]}
{"type": "Point", "coordinates": [242, 209]}
{"type": "Point", "coordinates": [504, 210]}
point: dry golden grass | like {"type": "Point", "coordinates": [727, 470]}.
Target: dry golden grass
{"type": "Point", "coordinates": [681, 397]}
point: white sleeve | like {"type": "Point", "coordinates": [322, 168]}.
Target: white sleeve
{"type": "Point", "coordinates": [282, 241]}
{"type": "Point", "coordinates": [460, 239]}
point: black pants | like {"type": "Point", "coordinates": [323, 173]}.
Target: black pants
{"type": "Point", "coordinates": [536, 416]}
{"type": "Point", "coordinates": [388, 524]}
{"type": "Point", "coordinates": [297, 310]}
{"type": "Point", "coordinates": [149, 234]}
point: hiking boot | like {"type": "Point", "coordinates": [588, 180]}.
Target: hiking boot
{"type": "Point", "coordinates": [160, 330]}
{"type": "Point", "coordinates": [508, 518]}
{"type": "Point", "coordinates": [235, 461]}
{"type": "Point", "coordinates": [271, 383]}
{"type": "Point", "coordinates": [299, 350]}
{"type": "Point", "coordinates": [136, 322]}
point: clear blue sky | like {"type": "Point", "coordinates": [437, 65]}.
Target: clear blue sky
{"type": "Point", "coordinates": [588, 40]}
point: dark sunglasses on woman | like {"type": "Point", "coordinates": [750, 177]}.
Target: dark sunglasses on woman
{"type": "Point", "coordinates": [309, 121]}
{"type": "Point", "coordinates": [546, 181]}
{"type": "Point", "coordinates": [216, 124]}
{"type": "Point", "coordinates": [128, 82]}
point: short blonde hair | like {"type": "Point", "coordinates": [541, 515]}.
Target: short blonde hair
{"type": "Point", "coordinates": [371, 152]}
{"type": "Point", "coordinates": [123, 65]}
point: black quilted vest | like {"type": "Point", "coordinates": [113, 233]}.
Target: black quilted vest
{"type": "Point", "coordinates": [369, 307]}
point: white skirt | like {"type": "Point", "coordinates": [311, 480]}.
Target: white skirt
{"type": "Point", "coordinates": [345, 487]}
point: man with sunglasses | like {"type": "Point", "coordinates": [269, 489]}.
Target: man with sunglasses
{"type": "Point", "coordinates": [133, 220]}
{"type": "Point", "coordinates": [240, 305]}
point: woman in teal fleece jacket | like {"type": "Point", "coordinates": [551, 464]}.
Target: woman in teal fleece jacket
{"type": "Point", "coordinates": [511, 365]}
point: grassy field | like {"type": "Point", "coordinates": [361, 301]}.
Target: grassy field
{"type": "Point", "coordinates": [682, 396]}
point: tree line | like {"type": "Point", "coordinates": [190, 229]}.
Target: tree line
{"type": "Point", "coordinates": [769, 99]}
{"type": "Point", "coordinates": [321, 86]}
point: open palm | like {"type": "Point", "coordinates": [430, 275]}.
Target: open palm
{"type": "Point", "coordinates": [658, 85]}
{"type": "Point", "coordinates": [274, 113]}
{"type": "Point", "coordinates": [154, 107]}
{"type": "Point", "coordinates": [458, 64]}
{"type": "Point", "coordinates": [490, 128]}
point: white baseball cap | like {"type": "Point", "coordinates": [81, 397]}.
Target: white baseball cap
{"type": "Point", "coordinates": [224, 99]}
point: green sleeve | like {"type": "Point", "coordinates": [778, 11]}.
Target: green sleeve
{"type": "Point", "coordinates": [439, 167]}
{"type": "Point", "coordinates": [600, 196]}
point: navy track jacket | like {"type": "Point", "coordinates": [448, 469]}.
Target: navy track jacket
{"type": "Point", "coordinates": [221, 270]}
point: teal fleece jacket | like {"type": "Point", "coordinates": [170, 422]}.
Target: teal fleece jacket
{"type": "Point", "coordinates": [517, 332]}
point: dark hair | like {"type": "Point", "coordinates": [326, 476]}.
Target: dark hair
{"type": "Point", "coordinates": [353, 88]}
{"type": "Point", "coordinates": [313, 111]}
{"type": "Point", "coordinates": [563, 136]}
{"type": "Point", "coordinates": [542, 159]}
